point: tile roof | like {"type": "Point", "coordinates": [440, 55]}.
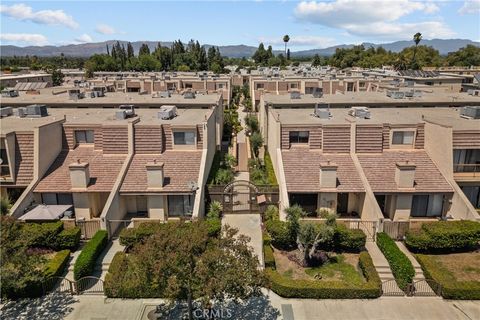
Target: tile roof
{"type": "Point", "coordinates": [104, 170]}
{"type": "Point", "coordinates": [302, 171]}
{"type": "Point", "coordinates": [380, 171]}
{"type": "Point", "coordinates": [180, 167]}
{"type": "Point", "coordinates": [23, 159]}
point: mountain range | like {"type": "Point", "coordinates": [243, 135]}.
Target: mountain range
{"type": "Point", "coordinates": [444, 46]}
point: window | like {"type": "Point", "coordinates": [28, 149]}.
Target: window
{"type": "Point", "coordinates": [180, 205]}
{"type": "Point", "coordinates": [427, 205]}
{"type": "Point", "coordinates": [4, 167]}
{"type": "Point", "coordinates": [260, 86]}
{"type": "Point", "coordinates": [473, 194]}
{"type": "Point", "coordinates": [184, 137]}
{"type": "Point", "coordinates": [293, 85]}
{"type": "Point", "coordinates": [298, 136]}
{"type": "Point", "coordinates": [57, 198]}
{"type": "Point", "coordinates": [466, 160]}
{"type": "Point", "coordinates": [188, 85]}
{"type": "Point", "coordinates": [84, 136]}
{"type": "Point", "coordinates": [403, 137]}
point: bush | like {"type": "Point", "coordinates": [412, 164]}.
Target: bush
{"type": "Point", "coordinates": [282, 237]}
{"type": "Point", "coordinates": [41, 234]}
{"type": "Point", "coordinates": [112, 286]}
{"type": "Point", "coordinates": [271, 177]}
{"type": "Point", "coordinates": [445, 237]}
{"type": "Point", "coordinates": [57, 264]}
{"type": "Point", "coordinates": [349, 240]}
{"type": "Point", "coordinates": [214, 227]}
{"type": "Point", "coordinates": [401, 266]}
{"type": "Point", "coordinates": [130, 236]}
{"type": "Point", "coordinates": [85, 262]}
{"type": "Point", "coordinates": [271, 213]}
{"type": "Point", "coordinates": [68, 239]}
{"type": "Point", "coordinates": [445, 283]}
{"type": "Point", "coordinates": [313, 289]}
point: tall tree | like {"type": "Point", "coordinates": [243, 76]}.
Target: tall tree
{"type": "Point", "coordinates": [144, 50]}
{"type": "Point", "coordinates": [288, 54]}
{"type": "Point", "coordinates": [417, 37]}
{"type": "Point", "coordinates": [130, 52]}
{"type": "Point", "coordinates": [286, 38]}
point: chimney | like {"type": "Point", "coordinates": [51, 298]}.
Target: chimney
{"type": "Point", "coordinates": [79, 175]}
{"type": "Point", "coordinates": [405, 174]}
{"type": "Point", "coordinates": [155, 175]}
{"type": "Point", "coordinates": [328, 175]}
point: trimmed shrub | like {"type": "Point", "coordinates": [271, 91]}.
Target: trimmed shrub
{"type": "Point", "coordinates": [401, 266]}
{"type": "Point", "coordinates": [68, 239]}
{"type": "Point", "coordinates": [85, 262]}
{"type": "Point", "coordinates": [445, 237]}
{"type": "Point", "coordinates": [130, 236]}
{"type": "Point", "coordinates": [214, 227]}
{"type": "Point", "coordinates": [41, 234]}
{"type": "Point", "coordinates": [114, 277]}
{"type": "Point", "coordinates": [446, 284]}
{"type": "Point", "coordinates": [349, 240]}
{"type": "Point", "coordinates": [57, 264]}
{"type": "Point", "coordinates": [313, 289]}
{"type": "Point", "coordinates": [271, 213]}
{"type": "Point", "coordinates": [281, 235]}
{"type": "Point", "coordinates": [268, 257]}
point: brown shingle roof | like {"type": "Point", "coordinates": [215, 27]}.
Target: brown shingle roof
{"type": "Point", "coordinates": [302, 171]}
{"type": "Point", "coordinates": [180, 167]}
{"type": "Point", "coordinates": [23, 159]}
{"type": "Point", "coordinates": [104, 170]}
{"type": "Point", "coordinates": [380, 171]}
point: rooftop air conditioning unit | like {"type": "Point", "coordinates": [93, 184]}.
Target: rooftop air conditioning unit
{"type": "Point", "coordinates": [9, 93]}
{"type": "Point", "coordinates": [167, 112]}
{"type": "Point", "coordinates": [37, 111]}
{"type": "Point", "coordinates": [21, 112]}
{"type": "Point", "coordinates": [295, 95]}
{"type": "Point", "coordinates": [164, 94]}
{"type": "Point", "coordinates": [129, 110]}
{"type": "Point", "coordinates": [322, 111]}
{"type": "Point", "coordinates": [121, 115]}
{"type": "Point", "coordinates": [189, 95]}
{"type": "Point", "coordinates": [6, 111]}
{"type": "Point", "coordinates": [469, 92]}
{"type": "Point", "coordinates": [471, 112]}
{"type": "Point", "coordinates": [409, 94]}
{"type": "Point", "coordinates": [359, 112]}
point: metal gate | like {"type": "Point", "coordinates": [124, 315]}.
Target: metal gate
{"type": "Point", "coordinates": [240, 197]}
{"type": "Point", "coordinates": [368, 227]}
{"type": "Point", "coordinates": [396, 229]}
{"type": "Point", "coordinates": [390, 288]}
{"type": "Point", "coordinates": [85, 285]}
{"type": "Point", "coordinates": [424, 288]}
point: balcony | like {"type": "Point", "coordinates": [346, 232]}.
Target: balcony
{"type": "Point", "coordinates": [466, 171]}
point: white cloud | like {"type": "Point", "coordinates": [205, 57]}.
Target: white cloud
{"type": "Point", "coordinates": [470, 7]}
{"type": "Point", "coordinates": [51, 17]}
{"type": "Point", "coordinates": [105, 29]}
{"type": "Point", "coordinates": [84, 38]}
{"type": "Point", "coordinates": [374, 18]}
{"type": "Point", "coordinates": [27, 38]}
{"type": "Point", "coordinates": [301, 41]}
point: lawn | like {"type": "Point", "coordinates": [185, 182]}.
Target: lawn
{"type": "Point", "coordinates": [342, 267]}
{"type": "Point", "coordinates": [459, 266]}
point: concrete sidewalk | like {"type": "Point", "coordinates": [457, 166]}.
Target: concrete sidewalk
{"type": "Point", "coordinates": [249, 225]}
{"type": "Point", "coordinates": [383, 269]}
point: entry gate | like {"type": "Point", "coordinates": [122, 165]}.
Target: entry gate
{"type": "Point", "coordinates": [85, 285]}
{"type": "Point", "coordinates": [240, 197]}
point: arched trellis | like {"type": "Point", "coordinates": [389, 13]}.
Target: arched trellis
{"type": "Point", "coordinates": [240, 196]}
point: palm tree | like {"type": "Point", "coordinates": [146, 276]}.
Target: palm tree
{"type": "Point", "coordinates": [417, 37]}
{"type": "Point", "coordinates": [286, 38]}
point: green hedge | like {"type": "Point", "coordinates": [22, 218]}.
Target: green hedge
{"type": "Point", "coordinates": [280, 233]}
{"type": "Point", "coordinates": [41, 234]}
{"type": "Point", "coordinates": [401, 266]}
{"type": "Point", "coordinates": [446, 284]}
{"type": "Point", "coordinates": [112, 284]}
{"type": "Point", "coordinates": [349, 240]}
{"type": "Point", "coordinates": [313, 289]}
{"type": "Point", "coordinates": [130, 236]}
{"type": "Point", "coordinates": [272, 179]}
{"type": "Point", "coordinates": [214, 226]}
{"type": "Point", "coordinates": [445, 237]}
{"type": "Point", "coordinates": [268, 257]}
{"type": "Point", "coordinates": [68, 239]}
{"type": "Point", "coordinates": [57, 264]}
{"type": "Point", "coordinates": [86, 260]}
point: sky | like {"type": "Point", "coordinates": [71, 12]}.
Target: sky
{"type": "Point", "coordinates": [310, 24]}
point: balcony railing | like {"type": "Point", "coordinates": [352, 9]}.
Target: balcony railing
{"type": "Point", "coordinates": [467, 168]}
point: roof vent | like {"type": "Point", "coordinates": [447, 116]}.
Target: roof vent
{"type": "Point", "coordinates": [21, 112]}
{"type": "Point", "coordinates": [322, 111]}
{"type": "Point", "coordinates": [127, 109]}
{"type": "Point", "coordinates": [37, 111]}
{"type": "Point", "coordinates": [359, 112]}
{"type": "Point", "coordinates": [167, 112]}
{"type": "Point", "coordinates": [75, 94]}
{"type": "Point", "coordinates": [295, 95]}
{"type": "Point", "coordinates": [470, 112]}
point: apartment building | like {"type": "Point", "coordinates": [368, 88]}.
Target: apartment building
{"type": "Point", "coordinates": [24, 82]}
{"type": "Point", "coordinates": [391, 165]}
{"type": "Point", "coordinates": [111, 165]}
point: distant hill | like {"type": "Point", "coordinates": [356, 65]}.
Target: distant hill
{"type": "Point", "coordinates": [234, 51]}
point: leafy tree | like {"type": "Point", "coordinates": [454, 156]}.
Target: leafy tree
{"type": "Point", "coordinates": [417, 37]}
{"type": "Point", "coordinates": [260, 56]}
{"type": "Point", "coordinates": [286, 38]}
{"type": "Point", "coordinates": [316, 61]}
{"type": "Point", "coordinates": [186, 264]}
{"type": "Point", "coordinates": [5, 205]}
{"type": "Point", "coordinates": [57, 75]}
{"type": "Point", "coordinates": [130, 52]}
{"type": "Point", "coordinates": [256, 140]}
{"type": "Point", "coordinates": [465, 57]}
{"type": "Point", "coordinates": [144, 50]}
